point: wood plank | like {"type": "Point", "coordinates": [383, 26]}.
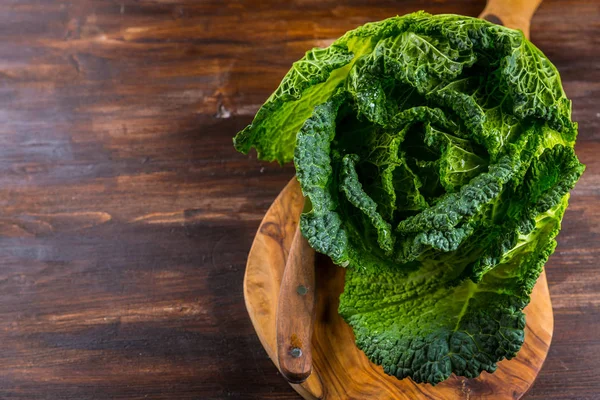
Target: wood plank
{"type": "Point", "coordinates": [122, 197]}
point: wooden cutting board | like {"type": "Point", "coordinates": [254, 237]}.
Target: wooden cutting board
{"type": "Point", "coordinates": [340, 369]}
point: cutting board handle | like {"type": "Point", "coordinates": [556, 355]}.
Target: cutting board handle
{"type": "Point", "coordinates": [515, 14]}
{"type": "Point", "coordinates": [296, 311]}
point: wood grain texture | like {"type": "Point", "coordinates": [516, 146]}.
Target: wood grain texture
{"type": "Point", "coordinates": [126, 216]}
{"type": "Point", "coordinates": [340, 370]}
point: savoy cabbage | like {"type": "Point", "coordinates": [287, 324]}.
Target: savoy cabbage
{"type": "Point", "coordinates": [437, 156]}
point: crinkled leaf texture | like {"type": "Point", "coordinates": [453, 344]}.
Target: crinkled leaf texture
{"type": "Point", "coordinates": [437, 155]}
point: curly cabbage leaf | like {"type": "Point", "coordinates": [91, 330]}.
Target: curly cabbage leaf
{"type": "Point", "coordinates": [437, 156]}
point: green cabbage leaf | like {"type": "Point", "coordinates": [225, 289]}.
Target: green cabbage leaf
{"type": "Point", "coordinates": [437, 156]}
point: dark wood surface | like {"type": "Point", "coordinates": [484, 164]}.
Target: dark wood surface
{"type": "Point", "coordinates": [126, 215]}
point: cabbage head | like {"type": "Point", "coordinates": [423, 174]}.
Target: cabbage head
{"type": "Point", "coordinates": [437, 156]}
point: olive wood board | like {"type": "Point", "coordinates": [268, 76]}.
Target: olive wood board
{"type": "Point", "coordinates": [340, 369]}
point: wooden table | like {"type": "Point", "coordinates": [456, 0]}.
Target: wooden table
{"type": "Point", "coordinates": [126, 215]}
